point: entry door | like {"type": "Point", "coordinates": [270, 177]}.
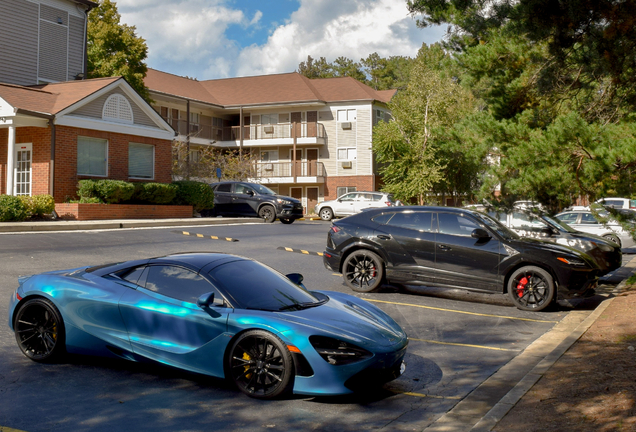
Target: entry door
{"type": "Point", "coordinates": [312, 158]}
{"type": "Point", "coordinates": [312, 199]}
{"type": "Point", "coordinates": [297, 167]}
{"type": "Point", "coordinates": [296, 192]}
{"type": "Point", "coordinates": [22, 170]}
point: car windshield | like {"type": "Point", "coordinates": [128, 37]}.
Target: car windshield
{"type": "Point", "coordinates": [496, 226]}
{"type": "Point", "coordinates": [557, 224]}
{"type": "Point", "coordinates": [252, 285]}
{"type": "Point", "coordinates": [263, 190]}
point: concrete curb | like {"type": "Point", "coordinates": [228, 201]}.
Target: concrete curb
{"type": "Point", "coordinates": [485, 406]}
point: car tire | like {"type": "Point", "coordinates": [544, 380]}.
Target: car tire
{"type": "Point", "coordinates": [39, 330]}
{"type": "Point", "coordinates": [613, 238]}
{"type": "Point", "coordinates": [260, 365]}
{"type": "Point", "coordinates": [363, 271]}
{"type": "Point", "coordinates": [267, 213]}
{"type": "Point", "coordinates": [531, 288]}
{"type": "Point", "coordinates": [287, 221]}
{"type": "Point", "coordinates": [326, 213]}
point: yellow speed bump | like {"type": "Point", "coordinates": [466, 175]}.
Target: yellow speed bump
{"type": "Point", "coordinates": [300, 251]}
{"type": "Point", "coordinates": [206, 236]}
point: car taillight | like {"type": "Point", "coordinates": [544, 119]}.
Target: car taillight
{"type": "Point", "coordinates": [388, 203]}
{"type": "Point", "coordinates": [334, 229]}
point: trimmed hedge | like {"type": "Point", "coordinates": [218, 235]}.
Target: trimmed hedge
{"type": "Point", "coordinates": [154, 193]}
{"type": "Point", "coordinates": [38, 205]}
{"type": "Point", "coordinates": [12, 208]}
{"type": "Point", "coordinates": [108, 191]}
{"type": "Point", "coordinates": [197, 194]}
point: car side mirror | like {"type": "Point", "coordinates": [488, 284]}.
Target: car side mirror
{"type": "Point", "coordinates": [479, 233]}
{"type": "Point", "coordinates": [249, 192]}
{"type": "Point", "coordinates": [205, 300]}
{"type": "Point", "coordinates": [296, 278]}
{"type": "Point", "coordinates": [547, 231]}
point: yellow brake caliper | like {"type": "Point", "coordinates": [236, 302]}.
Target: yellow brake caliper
{"type": "Point", "coordinates": [247, 357]}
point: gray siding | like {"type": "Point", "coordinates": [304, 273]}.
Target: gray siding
{"type": "Point", "coordinates": [18, 42]}
{"type": "Point", "coordinates": [53, 51]}
{"type": "Point", "coordinates": [94, 110]}
{"type": "Point", "coordinates": [52, 14]}
{"type": "Point", "coordinates": [75, 47]}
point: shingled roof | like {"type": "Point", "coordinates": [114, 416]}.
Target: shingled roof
{"type": "Point", "coordinates": [264, 89]}
{"type": "Point", "coordinates": [51, 98]}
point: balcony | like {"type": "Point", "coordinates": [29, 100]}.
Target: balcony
{"type": "Point", "coordinates": [253, 135]}
{"type": "Point", "coordinates": [284, 172]}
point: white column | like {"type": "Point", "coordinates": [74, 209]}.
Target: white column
{"type": "Point", "coordinates": [10, 159]}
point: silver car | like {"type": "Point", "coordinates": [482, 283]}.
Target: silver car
{"type": "Point", "coordinates": [583, 220]}
{"type": "Point", "coordinates": [352, 203]}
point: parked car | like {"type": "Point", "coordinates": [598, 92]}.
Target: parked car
{"type": "Point", "coordinates": [214, 314]}
{"type": "Point", "coordinates": [605, 251]}
{"type": "Point", "coordinates": [352, 203]}
{"type": "Point", "coordinates": [235, 198]}
{"type": "Point", "coordinates": [618, 203]}
{"type": "Point", "coordinates": [456, 248]}
{"type": "Point", "coordinates": [584, 220]}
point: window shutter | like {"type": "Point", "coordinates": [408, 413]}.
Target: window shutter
{"type": "Point", "coordinates": [141, 160]}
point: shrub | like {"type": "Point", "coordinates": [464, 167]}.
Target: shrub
{"type": "Point", "coordinates": [86, 189]}
{"type": "Point", "coordinates": [197, 194]}
{"type": "Point", "coordinates": [12, 208]}
{"type": "Point", "coordinates": [154, 193]}
{"type": "Point", "coordinates": [38, 205]}
{"type": "Point", "coordinates": [108, 191]}
{"type": "Point", "coordinates": [90, 200]}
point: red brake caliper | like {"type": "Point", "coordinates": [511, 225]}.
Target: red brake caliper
{"type": "Point", "coordinates": [521, 286]}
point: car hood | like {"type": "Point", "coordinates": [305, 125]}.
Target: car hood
{"type": "Point", "coordinates": [345, 316]}
{"type": "Point", "coordinates": [531, 243]}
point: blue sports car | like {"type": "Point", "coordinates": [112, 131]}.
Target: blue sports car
{"type": "Point", "coordinates": [214, 314]}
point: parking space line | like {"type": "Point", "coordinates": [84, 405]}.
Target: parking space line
{"type": "Point", "coordinates": [461, 312]}
{"type": "Point", "coordinates": [422, 395]}
{"type": "Point", "coordinates": [464, 345]}
{"type": "Point", "coordinates": [204, 236]}
{"type": "Point", "coordinates": [300, 251]}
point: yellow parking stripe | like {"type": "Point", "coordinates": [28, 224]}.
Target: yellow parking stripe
{"type": "Point", "coordinates": [464, 345]}
{"type": "Point", "coordinates": [461, 312]}
{"type": "Point", "coordinates": [300, 251]}
{"type": "Point", "coordinates": [428, 396]}
{"type": "Point", "coordinates": [8, 429]}
{"type": "Point", "coordinates": [204, 236]}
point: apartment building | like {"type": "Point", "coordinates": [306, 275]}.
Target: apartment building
{"type": "Point", "coordinates": [310, 138]}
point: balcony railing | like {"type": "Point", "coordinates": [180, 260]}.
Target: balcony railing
{"type": "Point", "coordinates": [250, 132]}
{"type": "Point", "coordinates": [289, 169]}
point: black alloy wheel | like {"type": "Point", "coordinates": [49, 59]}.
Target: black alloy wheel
{"type": "Point", "coordinates": [39, 330]}
{"type": "Point", "coordinates": [531, 288]}
{"type": "Point", "coordinates": [287, 221]}
{"type": "Point", "coordinates": [267, 213]}
{"type": "Point", "coordinates": [260, 365]}
{"type": "Point", "coordinates": [326, 214]}
{"type": "Point", "coordinates": [363, 271]}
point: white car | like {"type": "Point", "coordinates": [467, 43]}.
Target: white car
{"type": "Point", "coordinates": [352, 203]}
{"type": "Point", "coordinates": [583, 220]}
{"type": "Point", "coordinates": [618, 203]}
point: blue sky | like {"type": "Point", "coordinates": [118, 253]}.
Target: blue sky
{"type": "Point", "coordinates": [210, 39]}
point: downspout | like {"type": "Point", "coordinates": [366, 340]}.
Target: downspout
{"type": "Point", "coordinates": [52, 165]}
{"type": "Point", "coordinates": [88, 9]}
{"type": "Point", "coordinates": [241, 126]}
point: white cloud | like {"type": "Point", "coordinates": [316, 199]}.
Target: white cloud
{"type": "Point", "coordinates": [187, 37]}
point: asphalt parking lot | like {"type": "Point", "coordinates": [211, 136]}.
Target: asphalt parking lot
{"type": "Point", "coordinates": [458, 341]}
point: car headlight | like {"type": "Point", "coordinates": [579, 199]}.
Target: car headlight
{"type": "Point", "coordinates": [604, 246]}
{"type": "Point", "coordinates": [572, 261]}
{"type": "Point", "coordinates": [282, 201]}
{"type": "Point", "coordinates": [583, 245]}
{"type": "Point", "coordinates": [337, 352]}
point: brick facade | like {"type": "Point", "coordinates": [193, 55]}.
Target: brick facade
{"type": "Point", "coordinates": [66, 177]}
{"type": "Point", "coordinates": [120, 211]}
{"type": "Point", "coordinates": [361, 183]}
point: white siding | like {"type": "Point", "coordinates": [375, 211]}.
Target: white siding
{"type": "Point", "coordinates": [53, 51]}
{"type": "Point", "coordinates": [94, 110]}
{"type": "Point", "coordinates": [18, 42]}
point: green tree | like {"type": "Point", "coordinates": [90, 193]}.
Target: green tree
{"type": "Point", "coordinates": [408, 148]}
{"type": "Point", "coordinates": [316, 68]}
{"type": "Point", "coordinates": [114, 49]}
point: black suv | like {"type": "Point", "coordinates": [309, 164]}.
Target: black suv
{"type": "Point", "coordinates": [254, 200]}
{"type": "Point", "coordinates": [455, 248]}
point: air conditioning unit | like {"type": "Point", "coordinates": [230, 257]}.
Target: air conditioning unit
{"type": "Point", "coordinates": [346, 164]}
{"type": "Point", "coordinates": [345, 125]}
{"type": "Point", "coordinates": [268, 129]}
{"type": "Point", "coordinates": [269, 167]}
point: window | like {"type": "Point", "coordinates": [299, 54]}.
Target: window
{"type": "Point", "coordinates": [588, 219]}
{"type": "Point", "coordinates": [348, 115]}
{"type": "Point", "coordinates": [420, 221]}
{"type": "Point", "coordinates": [269, 118]}
{"type": "Point", "coordinates": [568, 217]}
{"type": "Point", "coordinates": [242, 189]}
{"type": "Point", "coordinates": [177, 282]}
{"type": "Point", "coordinates": [269, 156]}
{"type": "Point", "coordinates": [117, 108]}
{"type": "Point", "coordinates": [349, 197]}
{"type": "Point", "coordinates": [141, 161]}
{"type": "Point", "coordinates": [224, 187]}
{"type": "Point", "coordinates": [347, 154]}
{"type": "Point", "coordinates": [345, 189]}
{"type": "Point", "coordinates": [91, 156]}
{"type": "Point", "coordinates": [455, 224]}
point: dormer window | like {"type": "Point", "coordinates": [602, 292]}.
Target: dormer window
{"type": "Point", "coordinates": [117, 109]}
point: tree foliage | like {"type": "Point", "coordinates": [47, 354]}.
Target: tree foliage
{"type": "Point", "coordinates": [203, 167]}
{"type": "Point", "coordinates": [114, 49]}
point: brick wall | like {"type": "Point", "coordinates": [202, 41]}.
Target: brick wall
{"type": "Point", "coordinates": [361, 183]}
{"type": "Point", "coordinates": [120, 211]}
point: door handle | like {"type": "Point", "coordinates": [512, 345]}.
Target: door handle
{"type": "Point", "coordinates": [384, 237]}
{"type": "Point", "coordinates": [444, 247]}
